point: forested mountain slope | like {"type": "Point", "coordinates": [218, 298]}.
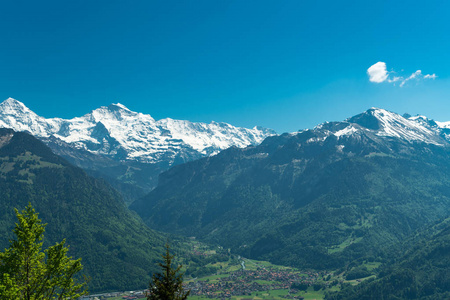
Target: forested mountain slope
{"type": "Point", "coordinates": [118, 251]}
{"type": "Point", "coordinates": [422, 272]}
{"type": "Point", "coordinates": [129, 149]}
{"type": "Point", "coordinates": [319, 198]}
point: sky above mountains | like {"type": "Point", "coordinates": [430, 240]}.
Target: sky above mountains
{"type": "Point", "coordinates": [284, 65]}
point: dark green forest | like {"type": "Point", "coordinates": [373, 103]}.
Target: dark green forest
{"type": "Point", "coordinates": [290, 202]}
{"type": "Point", "coordinates": [303, 204]}
{"type": "Point", "coordinates": [419, 269]}
{"type": "Point", "coordinates": [118, 251]}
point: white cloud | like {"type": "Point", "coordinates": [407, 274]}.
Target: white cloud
{"type": "Point", "coordinates": [378, 73]}
{"type": "Point", "coordinates": [432, 76]}
{"type": "Point", "coordinates": [395, 79]}
{"type": "Point", "coordinates": [416, 74]}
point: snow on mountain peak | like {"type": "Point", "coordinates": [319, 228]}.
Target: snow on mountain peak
{"type": "Point", "coordinates": [12, 101]}
{"type": "Point", "coordinates": [443, 124]}
{"type": "Point", "coordinates": [120, 133]}
{"type": "Point", "coordinates": [14, 114]}
{"type": "Point", "coordinates": [389, 124]}
{"type": "Point", "coordinates": [377, 122]}
{"type": "Point", "coordinates": [119, 105]}
{"type": "Point", "coordinates": [12, 105]}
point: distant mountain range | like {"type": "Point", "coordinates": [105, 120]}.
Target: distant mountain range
{"type": "Point", "coordinates": [127, 148]}
{"type": "Point", "coordinates": [121, 134]}
{"type": "Point", "coordinates": [318, 198]}
{"type": "Point", "coordinates": [372, 188]}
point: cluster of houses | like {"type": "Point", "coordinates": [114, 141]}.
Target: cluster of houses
{"type": "Point", "coordinates": [246, 282]}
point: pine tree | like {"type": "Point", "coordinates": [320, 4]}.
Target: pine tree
{"type": "Point", "coordinates": [167, 285]}
{"type": "Point", "coordinates": [27, 272]}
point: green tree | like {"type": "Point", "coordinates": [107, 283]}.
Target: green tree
{"type": "Point", "coordinates": [27, 272]}
{"type": "Point", "coordinates": [167, 285]}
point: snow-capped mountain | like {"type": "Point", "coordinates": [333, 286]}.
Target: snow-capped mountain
{"type": "Point", "coordinates": [382, 125]}
{"type": "Point", "coordinates": [282, 199]}
{"type": "Point", "coordinates": [122, 134]}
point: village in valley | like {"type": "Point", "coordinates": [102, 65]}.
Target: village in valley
{"type": "Point", "coordinates": [238, 278]}
{"type": "Point", "coordinates": [260, 282]}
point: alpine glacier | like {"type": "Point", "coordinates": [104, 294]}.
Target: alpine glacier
{"type": "Point", "coordinates": [122, 134]}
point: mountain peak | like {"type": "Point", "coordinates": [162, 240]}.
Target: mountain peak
{"type": "Point", "coordinates": [367, 119]}
{"type": "Point", "coordinates": [377, 118]}
{"type": "Point", "coordinates": [117, 106]}
{"type": "Point", "coordinates": [424, 120]}
{"type": "Point", "coordinates": [389, 124]}
{"type": "Point", "coordinates": [114, 129]}
{"type": "Point", "coordinates": [17, 110]}
{"type": "Point", "coordinates": [380, 112]}
{"type": "Point", "coordinates": [14, 114]}
{"type": "Point", "coordinates": [115, 112]}
{"type": "Point", "coordinates": [12, 100]}
{"type": "Point", "coordinates": [14, 105]}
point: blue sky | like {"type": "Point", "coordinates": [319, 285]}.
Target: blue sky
{"type": "Point", "coordinates": [285, 65]}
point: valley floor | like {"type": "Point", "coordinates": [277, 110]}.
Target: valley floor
{"type": "Point", "coordinates": [244, 279]}
{"type": "Point", "coordinates": [234, 277]}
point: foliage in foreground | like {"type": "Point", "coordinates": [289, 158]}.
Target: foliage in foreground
{"type": "Point", "coordinates": [167, 285]}
{"type": "Point", "coordinates": [118, 250]}
{"type": "Point", "coordinates": [28, 272]}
